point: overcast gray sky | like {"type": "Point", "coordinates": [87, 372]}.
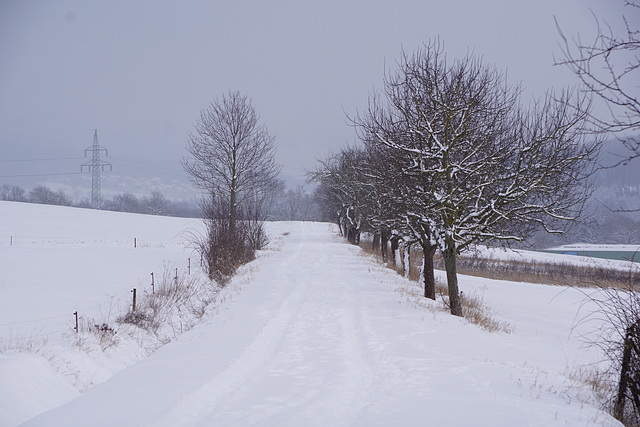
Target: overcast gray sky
{"type": "Point", "coordinates": [140, 71]}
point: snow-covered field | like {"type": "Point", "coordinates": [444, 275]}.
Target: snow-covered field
{"type": "Point", "coordinates": [556, 258]}
{"type": "Point", "coordinates": [311, 333]}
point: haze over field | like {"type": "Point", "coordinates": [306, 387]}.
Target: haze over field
{"type": "Point", "coordinates": [140, 73]}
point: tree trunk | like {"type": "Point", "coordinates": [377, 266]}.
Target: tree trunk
{"type": "Point", "coordinates": [395, 243]}
{"type": "Point", "coordinates": [384, 239]}
{"type": "Point", "coordinates": [449, 256]}
{"type": "Point", "coordinates": [406, 260]}
{"type": "Point", "coordinates": [233, 189]}
{"type": "Point", "coordinates": [376, 242]}
{"type": "Point", "coordinates": [232, 212]}
{"type": "Point", "coordinates": [428, 252]}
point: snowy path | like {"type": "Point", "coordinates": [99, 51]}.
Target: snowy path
{"type": "Point", "coordinates": [315, 334]}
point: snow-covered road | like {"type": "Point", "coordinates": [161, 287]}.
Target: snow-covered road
{"type": "Point", "coordinates": [317, 334]}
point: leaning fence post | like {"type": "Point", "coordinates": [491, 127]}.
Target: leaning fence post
{"type": "Point", "coordinates": [618, 409]}
{"type": "Point", "coordinates": [133, 309]}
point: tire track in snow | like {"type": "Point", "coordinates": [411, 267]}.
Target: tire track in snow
{"type": "Point", "coordinates": [317, 297]}
{"type": "Point", "coordinates": [348, 388]}
{"type": "Point", "coordinates": [195, 406]}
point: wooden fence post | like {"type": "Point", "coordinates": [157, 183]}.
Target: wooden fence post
{"type": "Point", "coordinates": [133, 309]}
{"type": "Point", "coordinates": [627, 377]}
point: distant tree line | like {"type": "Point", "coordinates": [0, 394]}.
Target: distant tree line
{"type": "Point", "coordinates": [295, 204]}
{"type": "Point", "coordinates": [39, 194]}
{"type": "Point", "coordinates": [154, 204]}
{"type": "Point", "coordinates": [286, 204]}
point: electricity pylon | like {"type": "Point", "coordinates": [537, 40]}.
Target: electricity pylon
{"type": "Point", "coordinates": [95, 166]}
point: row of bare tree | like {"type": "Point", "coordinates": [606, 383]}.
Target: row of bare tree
{"type": "Point", "coordinates": [449, 157]}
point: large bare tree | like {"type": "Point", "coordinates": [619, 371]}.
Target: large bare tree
{"type": "Point", "coordinates": [232, 161]}
{"type": "Point", "coordinates": [232, 154]}
{"type": "Point", "coordinates": [609, 68]}
{"type": "Point", "coordinates": [478, 166]}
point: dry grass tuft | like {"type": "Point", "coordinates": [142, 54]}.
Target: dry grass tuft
{"type": "Point", "coordinates": [474, 310]}
{"type": "Point", "coordinates": [477, 312]}
{"type": "Point", "coordinates": [178, 301]}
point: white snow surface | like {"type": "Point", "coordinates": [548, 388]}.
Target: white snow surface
{"type": "Point", "coordinates": [555, 258]}
{"type": "Point", "coordinates": [311, 333]}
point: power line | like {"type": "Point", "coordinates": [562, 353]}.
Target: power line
{"type": "Point", "coordinates": [154, 168]}
{"type": "Point", "coordinates": [150, 170]}
{"type": "Point", "coordinates": [40, 174]}
{"type": "Point", "coordinates": [10, 132]}
{"type": "Point", "coordinates": [146, 164]}
{"type": "Point", "coordinates": [40, 160]}
{"type": "Point", "coordinates": [148, 141]}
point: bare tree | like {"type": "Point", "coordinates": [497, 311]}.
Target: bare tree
{"type": "Point", "coordinates": [231, 153]}
{"type": "Point", "coordinates": [392, 190]}
{"type": "Point", "coordinates": [609, 68]}
{"type": "Point", "coordinates": [616, 324]}
{"type": "Point", "coordinates": [232, 161]}
{"type": "Point", "coordinates": [341, 180]}
{"type": "Point", "coordinates": [12, 193]}
{"type": "Point", "coordinates": [223, 250]}
{"type": "Point", "coordinates": [479, 167]}
{"type": "Point", "coordinates": [125, 202]}
{"type": "Point", "coordinates": [43, 195]}
{"type": "Point", "coordinates": [156, 204]}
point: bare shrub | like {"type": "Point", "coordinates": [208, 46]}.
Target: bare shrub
{"type": "Point", "coordinates": [223, 247]}
{"type": "Point", "coordinates": [256, 235]}
{"type": "Point", "coordinates": [617, 325]}
{"type": "Point", "coordinates": [104, 334]}
{"type": "Point", "coordinates": [23, 343]}
{"type": "Point", "coordinates": [137, 318]}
